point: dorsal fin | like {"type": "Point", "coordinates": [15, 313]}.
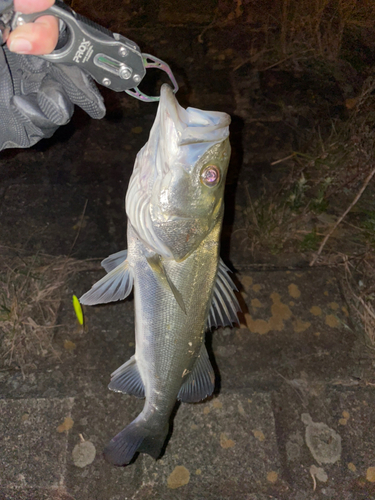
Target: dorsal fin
{"type": "Point", "coordinates": [127, 379]}
{"type": "Point", "coordinates": [159, 270]}
{"type": "Point", "coordinates": [200, 383]}
{"type": "Point", "coordinates": [116, 285]}
{"type": "Point", "coordinates": [224, 306]}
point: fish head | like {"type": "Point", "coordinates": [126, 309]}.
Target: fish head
{"type": "Point", "coordinates": [175, 197]}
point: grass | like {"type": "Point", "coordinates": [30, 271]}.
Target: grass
{"type": "Point", "coordinates": [359, 290]}
{"type": "Point", "coordinates": [368, 225]}
{"type": "Point", "coordinates": [318, 185]}
{"type": "Point", "coordinates": [30, 298]}
{"type": "Point", "coordinates": [310, 242]}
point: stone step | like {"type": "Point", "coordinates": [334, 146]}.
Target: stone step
{"type": "Point", "coordinates": [242, 444]}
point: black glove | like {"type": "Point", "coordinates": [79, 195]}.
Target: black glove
{"type": "Point", "coordinates": [37, 96]}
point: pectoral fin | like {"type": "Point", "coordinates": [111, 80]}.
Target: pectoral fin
{"type": "Point", "coordinates": [159, 270]}
{"type": "Point", "coordinates": [200, 383]}
{"type": "Point", "coordinates": [224, 306]}
{"type": "Point", "coordinates": [111, 262]}
{"type": "Point", "coordinates": [116, 285]}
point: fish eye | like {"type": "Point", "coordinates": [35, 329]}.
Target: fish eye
{"type": "Point", "coordinates": [210, 175]}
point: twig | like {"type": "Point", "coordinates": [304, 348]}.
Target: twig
{"type": "Point", "coordinates": [286, 58]}
{"type": "Point", "coordinates": [28, 273]}
{"type": "Point", "coordinates": [340, 219]}
{"type": "Point", "coordinates": [283, 159]}
{"type": "Point", "coordinates": [299, 392]}
{"type": "Point", "coordinates": [252, 59]}
{"type": "Point", "coordinates": [314, 480]}
{"type": "Point", "coordinates": [209, 26]}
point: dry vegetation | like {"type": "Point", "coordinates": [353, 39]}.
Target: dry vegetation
{"type": "Point", "coordinates": [30, 297]}
{"type": "Point", "coordinates": [311, 198]}
{"type": "Point", "coordinates": [284, 29]}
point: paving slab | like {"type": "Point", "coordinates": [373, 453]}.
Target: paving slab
{"type": "Point", "coordinates": [27, 493]}
{"type": "Point", "coordinates": [325, 438]}
{"type": "Point", "coordinates": [276, 359]}
{"type": "Point", "coordinates": [218, 449]}
{"type": "Point", "coordinates": [295, 324]}
{"type": "Point", "coordinates": [34, 442]}
{"type": "Point", "coordinates": [97, 418]}
{"type": "Point", "coordinates": [293, 321]}
{"type": "Point", "coordinates": [225, 448]}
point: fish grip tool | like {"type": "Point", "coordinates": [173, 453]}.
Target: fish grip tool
{"type": "Point", "coordinates": [111, 59]}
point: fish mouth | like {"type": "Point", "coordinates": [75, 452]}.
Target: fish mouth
{"type": "Point", "coordinates": [171, 113]}
{"type": "Point", "coordinates": [193, 126]}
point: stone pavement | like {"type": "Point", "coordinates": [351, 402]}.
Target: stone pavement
{"type": "Point", "coordinates": [292, 417]}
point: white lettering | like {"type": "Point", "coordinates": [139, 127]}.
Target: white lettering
{"type": "Point", "coordinates": [83, 47]}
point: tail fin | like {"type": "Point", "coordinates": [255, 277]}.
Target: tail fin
{"type": "Point", "coordinates": [134, 438]}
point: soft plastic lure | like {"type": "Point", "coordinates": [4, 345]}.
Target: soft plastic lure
{"type": "Point", "coordinates": [78, 310]}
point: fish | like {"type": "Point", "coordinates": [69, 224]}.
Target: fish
{"type": "Point", "coordinates": [175, 206]}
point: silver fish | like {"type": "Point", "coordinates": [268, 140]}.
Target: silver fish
{"type": "Point", "coordinates": [175, 207]}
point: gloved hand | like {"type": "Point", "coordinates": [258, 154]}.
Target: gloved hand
{"type": "Point", "coordinates": [37, 96]}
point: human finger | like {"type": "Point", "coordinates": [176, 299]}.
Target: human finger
{"type": "Point", "coordinates": [39, 37]}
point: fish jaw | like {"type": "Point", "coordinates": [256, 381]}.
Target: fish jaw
{"type": "Point", "coordinates": [166, 201]}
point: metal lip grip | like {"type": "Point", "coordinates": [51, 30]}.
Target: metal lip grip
{"type": "Point", "coordinates": [111, 59]}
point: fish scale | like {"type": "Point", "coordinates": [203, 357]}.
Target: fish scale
{"type": "Point", "coordinates": [169, 353]}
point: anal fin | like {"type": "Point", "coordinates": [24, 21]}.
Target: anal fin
{"type": "Point", "coordinates": [127, 379]}
{"type": "Point", "coordinates": [200, 383]}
